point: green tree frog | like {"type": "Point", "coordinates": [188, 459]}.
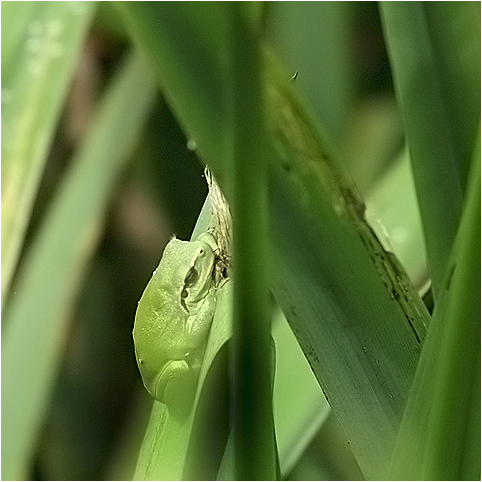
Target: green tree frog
{"type": "Point", "coordinates": [174, 316]}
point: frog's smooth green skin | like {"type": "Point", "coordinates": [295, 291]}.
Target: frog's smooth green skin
{"type": "Point", "coordinates": [174, 316]}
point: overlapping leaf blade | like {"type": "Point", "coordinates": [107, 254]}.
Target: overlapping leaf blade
{"type": "Point", "coordinates": [52, 272]}
{"type": "Point", "coordinates": [40, 41]}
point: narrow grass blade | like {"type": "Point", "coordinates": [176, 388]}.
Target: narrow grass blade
{"type": "Point", "coordinates": [35, 321]}
{"type": "Point", "coordinates": [440, 431]}
{"type": "Point", "coordinates": [255, 456]}
{"type": "Point", "coordinates": [455, 31]}
{"type": "Point", "coordinates": [40, 46]}
{"type": "Point", "coordinates": [426, 94]}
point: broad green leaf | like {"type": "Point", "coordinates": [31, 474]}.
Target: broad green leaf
{"type": "Point", "coordinates": [40, 46]}
{"type": "Point", "coordinates": [321, 53]}
{"type": "Point", "coordinates": [54, 266]}
{"type": "Point", "coordinates": [323, 245]}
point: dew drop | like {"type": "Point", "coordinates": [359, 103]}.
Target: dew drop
{"type": "Point", "coordinates": [191, 144]}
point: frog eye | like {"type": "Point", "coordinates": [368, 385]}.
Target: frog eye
{"type": "Point", "coordinates": [191, 277]}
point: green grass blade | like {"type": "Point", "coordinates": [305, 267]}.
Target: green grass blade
{"type": "Point", "coordinates": [440, 432]}
{"type": "Point", "coordinates": [40, 45]}
{"type": "Point", "coordinates": [52, 272]}
{"type": "Point", "coordinates": [455, 30]}
{"type": "Point", "coordinates": [420, 64]}
{"type": "Point", "coordinates": [254, 448]}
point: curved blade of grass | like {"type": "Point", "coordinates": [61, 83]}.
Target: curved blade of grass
{"type": "Point", "coordinates": [420, 63]}
{"type": "Point", "coordinates": [440, 431]}
{"type": "Point", "coordinates": [354, 311]}
{"type": "Point", "coordinates": [40, 46]}
{"type": "Point", "coordinates": [35, 320]}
